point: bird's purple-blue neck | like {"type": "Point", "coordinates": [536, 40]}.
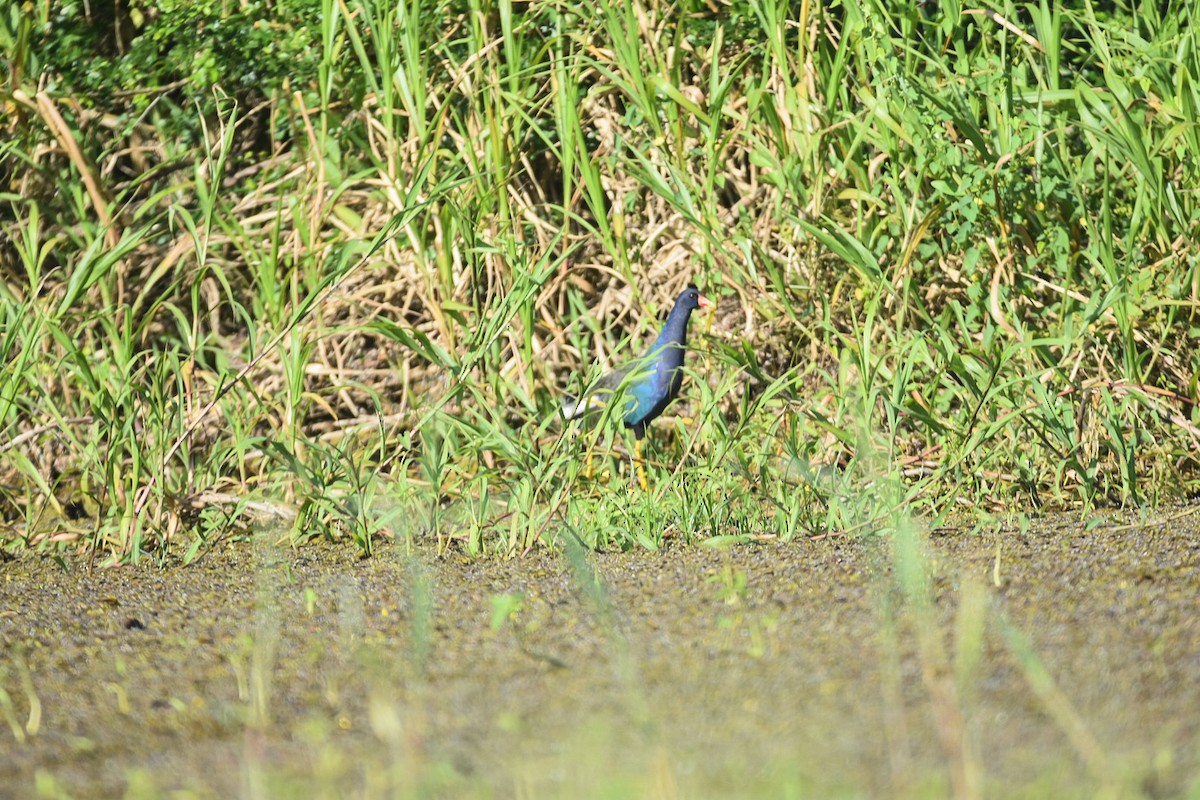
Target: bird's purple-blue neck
{"type": "Point", "coordinates": [668, 349]}
{"type": "Point", "coordinates": [675, 330]}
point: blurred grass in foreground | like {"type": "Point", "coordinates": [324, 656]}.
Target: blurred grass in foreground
{"type": "Point", "coordinates": [953, 250]}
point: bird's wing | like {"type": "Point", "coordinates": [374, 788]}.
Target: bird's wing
{"type": "Point", "coordinates": [613, 380]}
{"type": "Point", "coordinates": [624, 379]}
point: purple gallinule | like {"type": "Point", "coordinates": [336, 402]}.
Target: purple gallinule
{"type": "Point", "coordinates": [649, 383]}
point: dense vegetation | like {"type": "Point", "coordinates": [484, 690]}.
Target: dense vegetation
{"type": "Point", "coordinates": [328, 265]}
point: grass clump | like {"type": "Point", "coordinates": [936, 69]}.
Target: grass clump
{"type": "Point", "coordinates": [337, 287]}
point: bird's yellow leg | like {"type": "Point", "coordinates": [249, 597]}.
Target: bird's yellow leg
{"type": "Point", "coordinates": [640, 465]}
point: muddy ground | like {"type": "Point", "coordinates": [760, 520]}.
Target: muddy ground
{"type": "Point", "coordinates": [1061, 661]}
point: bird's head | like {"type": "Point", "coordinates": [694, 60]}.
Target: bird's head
{"type": "Point", "coordinates": [690, 299]}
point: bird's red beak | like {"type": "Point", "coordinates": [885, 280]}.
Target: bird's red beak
{"type": "Point", "coordinates": [704, 302]}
